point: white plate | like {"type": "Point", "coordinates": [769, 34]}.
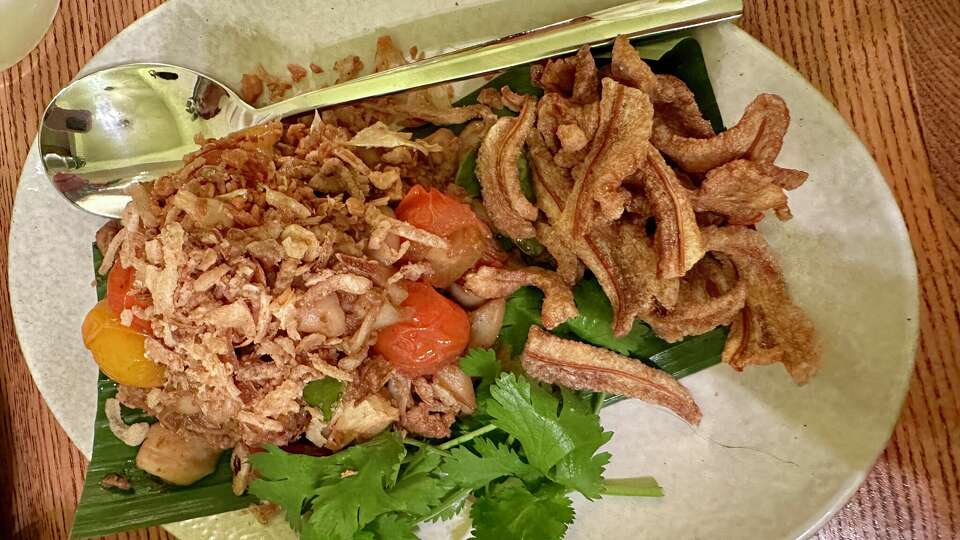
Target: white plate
{"type": "Point", "coordinates": [770, 460]}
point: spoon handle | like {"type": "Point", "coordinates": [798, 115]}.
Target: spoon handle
{"type": "Point", "coordinates": [643, 18]}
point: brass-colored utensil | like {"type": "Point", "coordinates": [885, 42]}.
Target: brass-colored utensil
{"type": "Point", "coordinates": [134, 123]}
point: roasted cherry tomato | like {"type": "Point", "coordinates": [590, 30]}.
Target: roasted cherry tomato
{"type": "Point", "coordinates": [120, 295]}
{"type": "Point", "coordinates": [453, 220]}
{"type": "Point", "coordinates": [435, 212]}
{"type": "Point", "coordinates": [432, 337]}
{"type": "Point", "coordinates": [118, 349]}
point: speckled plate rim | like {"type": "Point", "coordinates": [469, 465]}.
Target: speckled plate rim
{"type": "Point", "coordinates": [48, 348]}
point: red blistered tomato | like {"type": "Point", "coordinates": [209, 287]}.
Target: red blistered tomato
{"type": "Point", "coordinates": [432, 337]}
{"type": "Point", "coordinates": [437, 213]}
{"type": "Point", "coordinates": [453, 220]}
{"type": "Point", "coordinates": [120, 295]}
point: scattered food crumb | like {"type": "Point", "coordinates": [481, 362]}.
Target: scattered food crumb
{"type": "Point", "coordinates": [297, 72]}
{"type": "Point", "coordinates": [348, 68]}
{"type": "Point", "coordinates": [315, 68]}
{"type": "Point", "coordinates": [115, 481]}
{"type": "Point", "coordinates": [251, 88]}
{"type": "Point", "coordinates": [264, 512]}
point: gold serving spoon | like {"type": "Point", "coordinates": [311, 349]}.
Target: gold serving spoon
{"type": "Point", "coordinates": [134, 123]}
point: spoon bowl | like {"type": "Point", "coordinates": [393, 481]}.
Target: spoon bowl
{"type": "Point", "coordinates": [131, 123]}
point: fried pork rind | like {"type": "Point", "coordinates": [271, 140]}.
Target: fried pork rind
{"type": "Point", "coordinates": [627, 67]}
{"type": "Point", "coordinates": [556, 75]}
{"type": "Point", "coordinates": [555, 360]}
{"type": "Point", "coordinates": [707, 297]}
{"type": "Point", "coordinates": [509, 210]}
{"type": "Point", "coordinates": [770, 328]}
{"type": "Point", "coordinates": [676, 107]}
{"type": "Point", "coordinates": [585, 78]}
{"type": "Point", "coordinates": [758, 137]}
{"type": "Point", "coordinates": [597, 198]}
{"type": "Point", "coordinates": [677, 236]}
{"type": "Point", "coordinates": [558, 304]}
{"type": "Point", "coordinates": [555, 110]}
{"type": "Point", "coordinates": [591, 161]}
{"type": "Point", "coordinates": [552, 184]}
{"type": "Point", "coordinates": [615, 153]}
{"type": "Point", "coordinates": [743, 190]}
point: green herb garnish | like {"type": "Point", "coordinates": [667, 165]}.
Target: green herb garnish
{"type": "Point", "coordinates": [323, 394]}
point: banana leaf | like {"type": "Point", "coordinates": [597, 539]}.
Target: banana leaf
{"type": "Point", "coordinates": [149, 502]}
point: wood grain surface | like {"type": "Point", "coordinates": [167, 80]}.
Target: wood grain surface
{"type": "Point", "coordinates": [892, 67]}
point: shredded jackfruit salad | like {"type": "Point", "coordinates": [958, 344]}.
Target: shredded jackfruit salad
{"type": "Point", "coordinates": [388, 312]}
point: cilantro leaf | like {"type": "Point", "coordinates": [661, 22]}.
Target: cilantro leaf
{"type": "Point", "coordinates": [560, 444]}
{"type": "Point", "coordinates": [481, 363]}
{"type": "Point", "coordinates": [388, 527]}
{"type": "Point", "coordinates": [420, 492]}
{"type": "Point", "coordinates": [581, 469]}
{"type": "Point", "coordinates": [470, 470]}
{"type": "Point", "coordinates": [323, 394]}
{"type": "Point", "coordinates": [289, 480]}
{"type": "Point", "coordinates": [344, 492]}
{"type": "Point", "coordinates": [511, 511]}
{"type": "Point", "coordinates": [522, 311]}
{"type": "Point", "coordinates": [423, 461]}
{"type": "Point", "coordinates": [529, 413]}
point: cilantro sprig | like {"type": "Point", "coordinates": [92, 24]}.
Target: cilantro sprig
{"type": "Point", "coordinates": [531, 446]}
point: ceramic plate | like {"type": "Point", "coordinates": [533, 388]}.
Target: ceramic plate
{"type": "Point", "coordinates": [770, 459]}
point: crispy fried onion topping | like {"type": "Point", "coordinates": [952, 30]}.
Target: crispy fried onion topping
{"type": "Point", "coordinates": [577, 365]}
{"type": "Point", "coordinates": [770, 328]}
{"type": "Point", "coordinates": [499, 176]}
{"type": "Point", "coordinates": [131, 435]}
{"type": "Point", "coordinates": [381, 136]}
{"type": "Point", "coordinates": [743, 190]}
{"type": "Point", "coordinates": [758, 137]}
{"type": "Point", "coordinates": [558, 304]}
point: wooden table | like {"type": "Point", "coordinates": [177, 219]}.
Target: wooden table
{"type": "Point", "coordinates": [892, 67]}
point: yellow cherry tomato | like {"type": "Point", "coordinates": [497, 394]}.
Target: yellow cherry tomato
{"type": "Point", "coordinates": [118, 349]}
